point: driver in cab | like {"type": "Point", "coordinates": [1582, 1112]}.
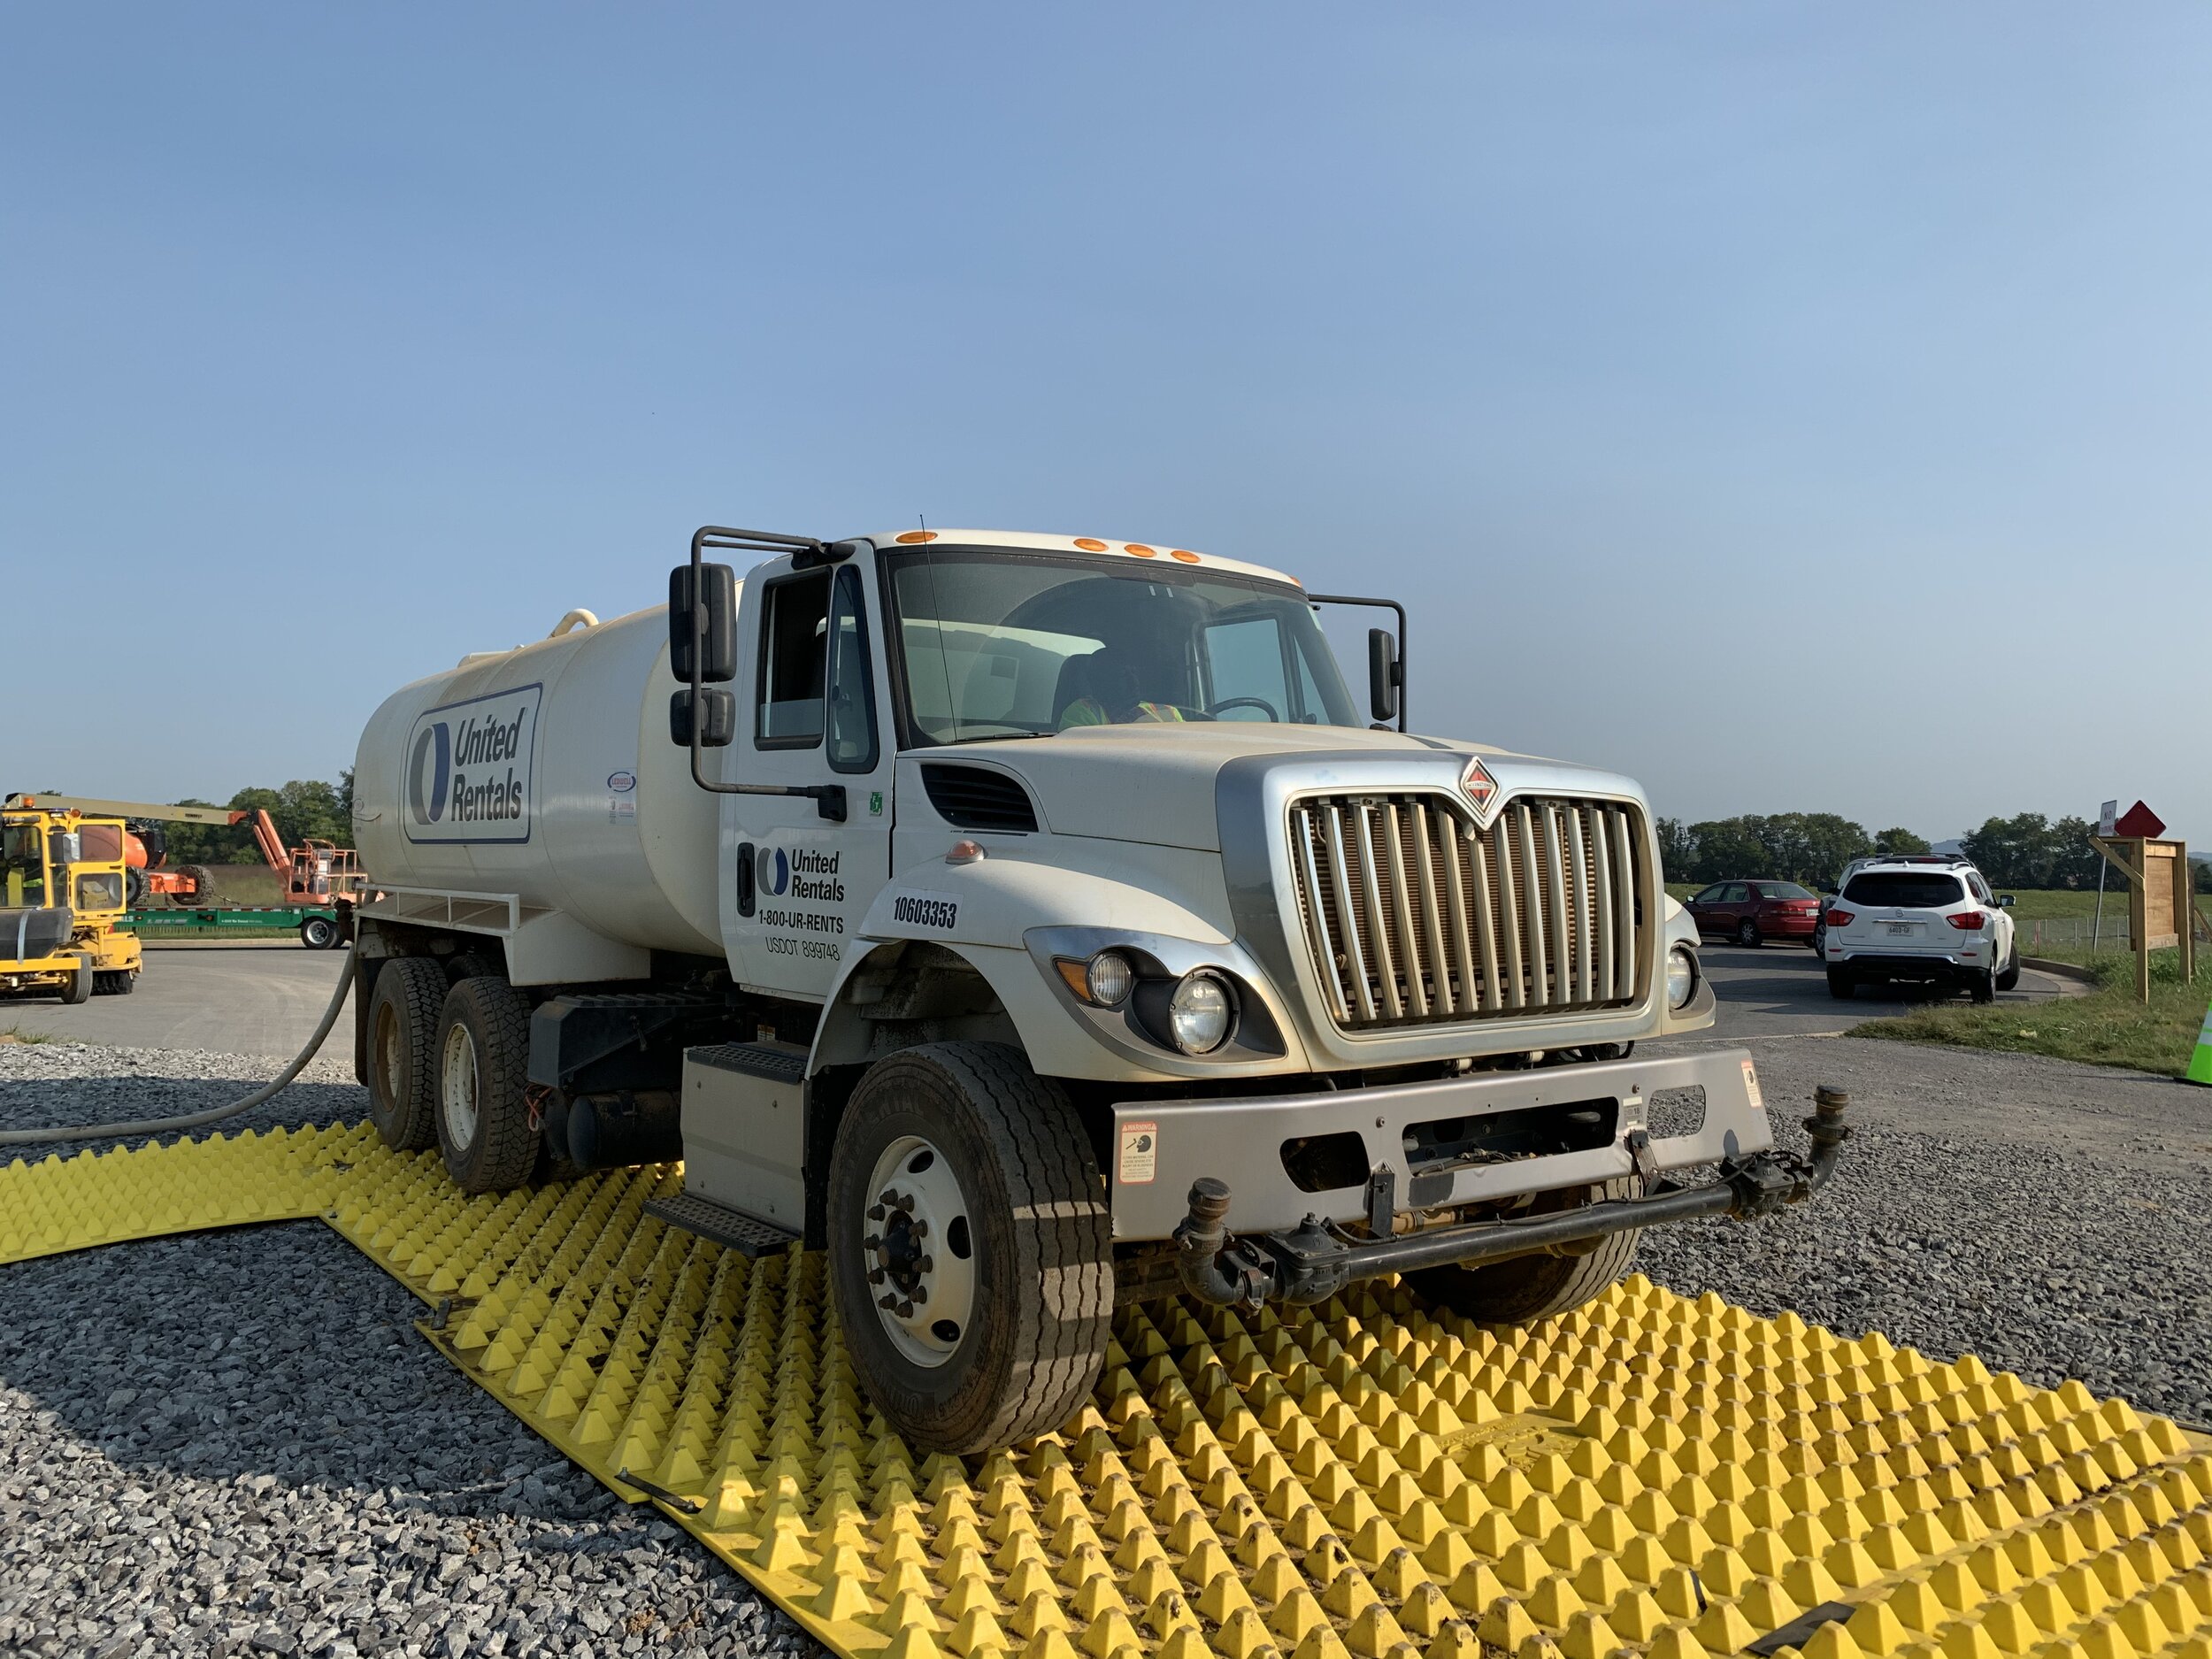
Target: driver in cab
{"type": "Point", "coordinates": [1105, 688]}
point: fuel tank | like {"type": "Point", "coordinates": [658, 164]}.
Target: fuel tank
{"type": "Point", "coordinates": [546, 772]}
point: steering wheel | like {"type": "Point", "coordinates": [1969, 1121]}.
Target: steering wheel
{"type": "Point", "coordinates": [1245, 702]}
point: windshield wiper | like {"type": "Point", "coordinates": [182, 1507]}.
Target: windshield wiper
{"type": "Point", "coordinates": [1000, 737]}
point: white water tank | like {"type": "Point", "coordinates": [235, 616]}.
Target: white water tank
{"type": "Point", "coordinates": [546, 774]}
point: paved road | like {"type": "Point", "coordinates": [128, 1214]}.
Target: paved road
{"type": "Point", "coordinates": [1782, 991]}
{"type": "Point", "coordinates": [230, 998]}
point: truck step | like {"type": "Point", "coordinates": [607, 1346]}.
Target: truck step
{"type": "Point", "coordinates": [721, 1224]}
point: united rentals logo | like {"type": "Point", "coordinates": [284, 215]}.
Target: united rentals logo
{"type": "Point", "coordinates": [807, 873]}
{"type": "Point", "coordinates": [466, 775]}
{"type": "Point", "coordinates": [1481, 790]}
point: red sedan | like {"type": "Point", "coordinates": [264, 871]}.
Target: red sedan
{"type": "Point", "coordinates": [1752, 912]}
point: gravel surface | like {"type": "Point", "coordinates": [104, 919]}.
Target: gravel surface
{"type": "Point", "coordinates": [2048, 1216]}
{"type": "Point", "coordinates": [236, 1443]}
{"type": "Point", "coordinates": [188, 1466]}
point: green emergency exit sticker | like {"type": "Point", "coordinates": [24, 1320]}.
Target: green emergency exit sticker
{"type": "Point", "coordinates": [875, 804]}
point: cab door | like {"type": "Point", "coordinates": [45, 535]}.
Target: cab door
{"type": "Point", "coordinates": [802, 876]}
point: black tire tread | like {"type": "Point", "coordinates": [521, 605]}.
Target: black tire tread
{"type": "Point", "coordinates": [1565, 1283]}
{"type": "Point", "coordinates": [203, 895]}
{"type": "Point", "coordinates": [1842, 985]}
{"type": "Point", "coordinates": [507, 1147]}
{"type": "Point", "coordinates": [1041, 1148]}
{"type": "Point", "coordinates": [418, 986]}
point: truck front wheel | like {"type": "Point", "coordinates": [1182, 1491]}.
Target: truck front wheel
{"type": "Point", "coordinates": [1525, 1288]}
{"type": "Point", "coordinates": [969, 1247]}
{"type": "Point", "coordinates": [483, 1058]}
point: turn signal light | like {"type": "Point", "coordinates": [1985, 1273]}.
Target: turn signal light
{"type": "Point", "coordinates": [1842, 919]}
{"type": "Point", "coordinates": [1967, 921]}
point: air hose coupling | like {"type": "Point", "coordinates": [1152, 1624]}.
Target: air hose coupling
{"type": "Point", "coordinates": [1210, 1267]}
{"type": "Point", "coordinates": [1828, 1131]}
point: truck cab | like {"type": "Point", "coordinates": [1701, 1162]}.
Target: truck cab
{"type": "Point", "coordinates": [1034, 922]}
{"type": "Point", "coordinates": [62, 894]}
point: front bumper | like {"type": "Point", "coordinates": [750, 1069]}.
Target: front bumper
{"type": "Point", "coordinates": [1161, 1148]}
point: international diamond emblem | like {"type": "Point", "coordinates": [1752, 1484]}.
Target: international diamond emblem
{"type": "Point", "coordinates": [1480, 788]}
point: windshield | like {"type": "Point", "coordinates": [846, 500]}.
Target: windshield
{"type": "Point", "coordinates": [999, 644]}
{"type": "Point", "coordinates": [1784, 890]}
{"type": "Point", "coordinates": [22, 866]}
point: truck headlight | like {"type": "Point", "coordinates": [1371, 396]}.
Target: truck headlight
{"type": "Point", "coordinates": [1200, 1012]}
{"type": "Point", "coordinates": [1681, 977]}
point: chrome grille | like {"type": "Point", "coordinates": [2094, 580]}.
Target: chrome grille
{"type": "Point", "coordinates": [1416, 915]}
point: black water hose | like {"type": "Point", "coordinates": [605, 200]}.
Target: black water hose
{"type": "Point", "coordinates": [198, 1120]}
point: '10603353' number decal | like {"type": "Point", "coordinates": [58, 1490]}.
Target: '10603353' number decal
{"type": "Point", "coordinates": [925, 910]}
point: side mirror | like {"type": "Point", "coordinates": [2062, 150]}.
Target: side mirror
{"type": "Point", "coordinates": [1385, 674]}
{"type": "Point", "coordinates": [717, 639]}
{"type": "Point", "coordinates": [716, 718]}
{"type": "Point", "coordinates": [2004, 901]}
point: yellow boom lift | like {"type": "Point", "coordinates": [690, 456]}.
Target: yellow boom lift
{"type": "Point", "coordinates": [61, 896]}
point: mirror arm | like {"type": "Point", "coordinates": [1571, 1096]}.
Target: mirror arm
{"type": "Point", "coordinates": [1391, 605]}
{"type": "Point", "coordinates": [829, 798]}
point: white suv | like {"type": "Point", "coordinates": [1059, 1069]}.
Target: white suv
{"type": "Point", "coordinates": [1900, 918]}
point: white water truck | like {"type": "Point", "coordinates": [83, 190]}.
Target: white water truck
{"type": "Point", "coordinates": [1032, 923]}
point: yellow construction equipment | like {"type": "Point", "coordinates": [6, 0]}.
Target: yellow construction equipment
{"type": "Point", "coordinates": [63, 873]}
{"type": "Point", "coordinates": [1646, 1476]}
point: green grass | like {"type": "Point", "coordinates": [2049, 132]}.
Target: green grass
{"type": "Point", "coordinates": [2107, 1027]}
{"type": "Point", "coordinates": [16, 1034]}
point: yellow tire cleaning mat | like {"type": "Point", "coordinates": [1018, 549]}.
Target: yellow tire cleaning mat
{"type": "Point", "coordinates": [1649, 1475]}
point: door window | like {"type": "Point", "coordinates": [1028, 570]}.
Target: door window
{"type": "Point", "coordinates": [1711, 896]}
{"type": "Point", "coordinates": [1734, 894]}
{"type": "Point", "coordinates": [793, 646]}
{"type": "Point", "coordinates": [852, 691]}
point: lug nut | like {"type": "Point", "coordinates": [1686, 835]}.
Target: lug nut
{"type": "Point", "coordinates": [887, 1302]}
{"type": "Point", "coordinates": [876, 1276]}
{"type": "Point", "coordinates": [875, 1212]}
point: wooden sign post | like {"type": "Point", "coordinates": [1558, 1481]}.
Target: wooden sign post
{"type": "Point", "coordinates": [2161, 905]}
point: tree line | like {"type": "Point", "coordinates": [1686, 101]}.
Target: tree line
{"type": "Point", "coordinates": [2026, 851]}
{"type": "Point", "coordinates": [302, 809]}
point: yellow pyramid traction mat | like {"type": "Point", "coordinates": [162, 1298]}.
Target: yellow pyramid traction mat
{"type": "Point", "coordinates": [1648, 1476]}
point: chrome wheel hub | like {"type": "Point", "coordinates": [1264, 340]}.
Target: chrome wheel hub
{"type": "Point", "coordinates": [920, 1251]}
{"type": "Point", "coordinates": [457, 1085]}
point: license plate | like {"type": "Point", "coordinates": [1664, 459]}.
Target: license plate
{"type": "Point", "coordinates": [1902, 928]}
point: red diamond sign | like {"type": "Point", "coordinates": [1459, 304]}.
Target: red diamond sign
{"type": "Point", "coordinates": [1480, 788]}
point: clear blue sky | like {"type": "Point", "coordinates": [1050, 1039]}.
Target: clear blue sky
{"type": "Point", "coordinates": [1794, 407]}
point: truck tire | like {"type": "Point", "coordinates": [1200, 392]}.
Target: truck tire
{"type": "Point", "coordinates": [133, 888]}
{"type": "Point", "coordinates": [78, 987]}
{"type": "Point", "coordinates": [1842, 985]}
{"type": "Point", "coordinates": [1525, 1288]}
{"type": "Point", "coordinates": [467, 964]}
{"type": "Point", "coordinates": [319, 932]}
{"type": "Point", "coordinates": [402, 1038]}
{"type": "Point", "coordinates": [1014, 1245]}
{"type": "Point", "coordinates": [482, 1059]}
{"type": "Point", "coordinates": [203, 894]}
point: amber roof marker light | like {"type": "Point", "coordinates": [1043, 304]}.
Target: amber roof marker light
{"type": "Point", "coordinates": [912, 536]}
{"type": "Point", "coordinates": [1184, 554]}
{"type": "Point", "coordinates": [1140, 550]}
{"type": "Point", "coordinates": [1090, 544]}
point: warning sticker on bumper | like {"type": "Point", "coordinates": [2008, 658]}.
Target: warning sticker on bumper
{"type": "Point", "coordinates": [1140, 1154]}
{"type": "Point", "coordinates": [1751, 1088]}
